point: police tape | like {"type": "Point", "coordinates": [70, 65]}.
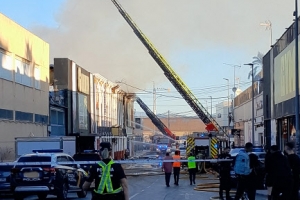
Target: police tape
{"type": "Point", "coordinates": [131, 161]}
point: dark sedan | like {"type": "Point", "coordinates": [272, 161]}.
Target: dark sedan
{"type": "Point", "coordinates": [5, 178]}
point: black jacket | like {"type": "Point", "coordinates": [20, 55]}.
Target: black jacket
{"type": "Point", "coordinates": [278, 169]}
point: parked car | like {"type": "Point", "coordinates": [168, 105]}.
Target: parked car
{"type": "Point", "coordinates": [87, 155]}
{"type": "Point", "coordinates": [149, 155]}
{"type": "Point", "coordinates": [5, 178]}
{"type": "Point", "coordinates": [53, 178]}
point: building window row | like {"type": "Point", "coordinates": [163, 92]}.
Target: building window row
{"type": "Point", "coordinates": [23, 116]}
{"type": "Point", "coordinates": [22, 71]}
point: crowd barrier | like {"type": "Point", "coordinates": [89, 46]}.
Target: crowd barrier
{"type": "Point", "coordinates": [131, 161]}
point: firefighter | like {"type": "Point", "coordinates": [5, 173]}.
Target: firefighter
{"type": "Point", "coordinates": [110, 179]}
{"type": "Point", "coordinates": [176, 167]}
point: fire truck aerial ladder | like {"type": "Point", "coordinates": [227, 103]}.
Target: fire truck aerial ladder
{"type": "Point", "coordinates": [155, 120]}
{"type": "Point", "coordinates": [207, 119]}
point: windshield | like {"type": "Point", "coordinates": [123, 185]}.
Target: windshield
{"type": "Point", "coordinates": [35, 159]}
{"type": "Point", "coordinates": [86, 157]}
{"type": "Point", "coordinates": [233, 151]}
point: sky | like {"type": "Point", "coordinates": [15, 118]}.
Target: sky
{"type": "Point", "coordinates": [196, 37]}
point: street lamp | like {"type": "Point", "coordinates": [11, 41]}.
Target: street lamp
{"type": "Point", "coordinates": [251, 64]}
{"type": "Point", "coordinates": [227, 103]}
{"type": "Point", "coordinates": [297, 80]}
{"type": "Point", "coordinates": [234, 88]}
{"type": "Point", "coordinates": [210, 105]}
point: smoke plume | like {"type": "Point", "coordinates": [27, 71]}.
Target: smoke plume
{"type": "Point", "coordinates": [94, 34]}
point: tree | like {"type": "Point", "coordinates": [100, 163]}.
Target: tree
{"type": "Point", "coordinates": [257, 66]}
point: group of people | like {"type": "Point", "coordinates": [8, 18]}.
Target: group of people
{"type": "Point", "coordinates": [173, 164]}
{"type": "Point", "coordinates": [282, 171]}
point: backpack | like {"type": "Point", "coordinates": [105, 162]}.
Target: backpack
{"type": "Point", "coordinates": [242, 164]}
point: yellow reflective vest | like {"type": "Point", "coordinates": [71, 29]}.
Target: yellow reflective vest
{"type": "Point", "coordinates": [191, 162]}
{"type": "Point", "coordinates": [105, 181]}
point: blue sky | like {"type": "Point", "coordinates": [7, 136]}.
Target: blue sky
{"type": "Point", "coordinates": [196, 37]}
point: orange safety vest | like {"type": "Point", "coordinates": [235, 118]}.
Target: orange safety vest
{"type": "Point", "coordinates": [176, 164]}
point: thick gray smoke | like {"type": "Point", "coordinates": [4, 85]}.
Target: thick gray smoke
{"type": "Point", "coordinates": [95, 35]}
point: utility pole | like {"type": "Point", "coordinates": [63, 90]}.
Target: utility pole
{"type": "Point", "coordinates": [228, 127]}
{"type": "Point", "coordinates": [154, 104]}
{"type": "Point", "coordinates": [168, 119]}
{"type": "Point", "coordinates": [297, 80]}
{"type": "Point", "coordinates": [210, 105]}
{"type": "Point", "coordinates": [252, 120]}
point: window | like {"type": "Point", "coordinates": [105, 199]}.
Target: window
{"type": "Point", "coordinates": [24, 116]}
{"type": "Point", "coordinates": [35, 159]}
{"type": "Point", "coordinates": [22, 73]}
{"type": "Point", "coordinates": [6, 114]}
{"type": "Point", "coordinates": [6, 67]}
{"type": "Point", "coordinates": [43, 119]}
{"type": "Point", "coordinates": [57, 117]}
{"type": "Point", "coordinates": [37, 78]}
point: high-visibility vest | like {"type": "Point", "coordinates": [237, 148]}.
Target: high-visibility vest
{"type": "Point", "coordinates": [105, 181]}
{"type": "Point", "coordinates": [176, 164]}
{"type": "Point", "coordinates": [191, 162]}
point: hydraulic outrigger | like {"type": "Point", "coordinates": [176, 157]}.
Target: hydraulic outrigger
{"type": "Point", "coordinates": [203, 114]}
{"type": "Point", "coordinates": [155, 120]}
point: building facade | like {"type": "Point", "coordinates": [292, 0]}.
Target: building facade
{"type": "Point", "coordinates": [179, 126]}
{"type": "Point", "coordinates": [89, 107]}
{"type": "Point", "coordinates": [279, 89]}
{"type": "Point", "coordinates": [24, 77]}
{"type": "Point", "coordinates": [243, 116]}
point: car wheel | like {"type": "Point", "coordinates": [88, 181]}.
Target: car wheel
{"type": "Point", "coordinates": [63, 192]}
{"type": "Point", "coordinates": [42, 196]}
{"type": "Point", "coordinates": [82, 194]}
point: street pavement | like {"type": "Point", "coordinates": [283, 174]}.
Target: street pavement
{"type": "Point", "coordinates": [153, 187]}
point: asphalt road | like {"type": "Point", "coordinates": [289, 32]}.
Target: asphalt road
{"type": "Point", "coordinates": [153, 187]}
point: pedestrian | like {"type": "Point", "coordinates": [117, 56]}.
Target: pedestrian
{"type": "Point", "coordinates": [110, 179]}
{"type": "Point", "coordinates": [280, 174]}
{"type": "Point", "coordinates": [224, 174]}
{"type": "Point", "coordinates": [176, 167]}
{"type": "Point", "coordinates": [294, 162]}
{"type": "Point", "coordinates": [245, 170]}
{"type": "Point", "coordinates": [192, 168]}
{"type": "Point", "coordinates": [167, 168]}
{"type": "Point", "coordinates": [269, 184]}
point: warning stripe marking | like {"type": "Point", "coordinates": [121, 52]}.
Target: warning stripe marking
{"type": "Point", "coordinates": [213, 149]}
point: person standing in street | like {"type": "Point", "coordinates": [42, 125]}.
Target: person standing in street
{"type": "Point", "coordinates": [280, 174]}
{"type": "Point", "coordinates": [224, 174]}
{"type": "Point", "coordinates": [244, 168]}
{"type": "Point", "coordinates": [294, 162]}
{"type": "Point", "coordinates": [192, 168]}
{"type": "Point", "coordinates": [176, 167]}
{"type": "Point", "coordinates": [110, 179]}
{"type": "Point", "coordinates": [269, 183]}
{"type": "Point", "coordinates": [167, 168]}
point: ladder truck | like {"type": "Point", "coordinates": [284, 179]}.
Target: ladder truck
{"type": "Point", "coordinates": [211, 124]}
{"type": "Point", "coordinates": [162, 147]}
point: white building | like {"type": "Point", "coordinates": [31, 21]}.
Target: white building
{"type": "Point", "coordinates": [243, 116]}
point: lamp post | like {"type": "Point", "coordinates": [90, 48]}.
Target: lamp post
{"type": "Point", "coordinates": [251, 64]}
{"type": "Point", "coordinates": [297, 80]}
{"type": "Point", "coordinates": [227, 104]}
{"type": "Point", "coordinates": [234, 88]}
{"type": "Point", "coordinates": [210, 105]}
